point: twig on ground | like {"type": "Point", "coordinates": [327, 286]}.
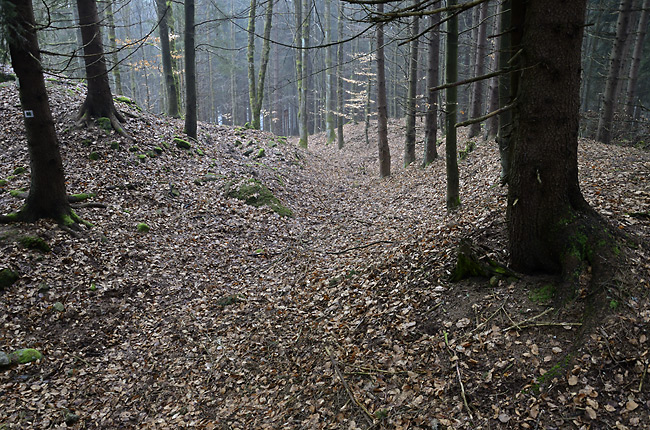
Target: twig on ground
{"type": "Point", "coordinates": [371, 420]}
{"type": "Point", "coordinates": [460, 381]}
{"type": "Point", "coordinates": [518, 325]}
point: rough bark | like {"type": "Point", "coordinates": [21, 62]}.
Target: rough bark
{"type": "Point", "coordinates": [479, 69]}
{"type": "Point", "coordinates": [382, 114]}
{"type": "Point", "coordinates": [451, 155]}
{"type": "Point", "coordinates": [409, 144]}
{"type": "Point", "coordinates": [506, 97]}
{"type": "Point", "coordinates": [99, 99]}
{"type": "Point", "coordinates": [551, 227]}
{"type": "Point", "coordinates": [642, 29]}
{"type": "Point", "coordinates": [171, 87]}
{"type": "Point", "coordinates": [608, 104]}
{"type": "Point", "coordinates": [190, 71]}
{"type": "Point", "coordinates": [47, 192]}
{"type": "Point", "coordinates": [433, 72]}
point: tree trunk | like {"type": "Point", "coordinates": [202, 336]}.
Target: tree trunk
{"type": "Point", "coordinates": [164, 10]}
{"type": "Point", "coordinates": [433, 72]}
{"type": "Point", "coordinates": [451, 156]}
{"type": "Point", "coordinates": [477, 98]}
{"type": "Point", "coordinates": [47, 193]}
{"type": "Point", "coordinates": [113, 45]}
{"type": "Point", "coordinates": [409, 144]}
{"type": "Point", "coordinates": [301, 33]}
{"type": "Point", "coordinates": [630, 99]}
{"type": "Point", "coordinates": [551, 227]}
{"type": "Point", "coordinates": [190, 72]}
{"type": "Point", "coordinates": [256, 89]}
{"type": "Point", "coordinates": [99, 100]}
{"type": "Point", "coordinates": [506, 95]}
{"type": "Point", "coordinates": [382, 114]}
{"type": "Point", "coordinates": [339, 80]}
{"type": "Point", "coordinates": [329, 76]}
{"type": "Point", "coordinates": [609, 96]}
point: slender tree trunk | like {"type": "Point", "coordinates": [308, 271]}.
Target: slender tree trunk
{"type": "Point", "coordinates": [630, 99]}
{"type": "Point", "coordinates": [433, 76]}
{"type": "Point", "coordinates": [47, 196]}
{"type": "Point", "coordinates": [609, 96]}
{"type": "Point", "coordinates": [492, 124]}
{"type": "Point", "coordinates": [368, 108]}
{"type": "Point", "coordinates": [171, 89]}
{"type": "Point", "coordinates": [256, 89]}
{"type": "Point", "coordinates": [340, 106]}
{"type": "Point", "coordinates": [113, 45]}
{"type": "Point", "coordinates": [409, 144]}
{"type": "Point", "coordinates": [382, 114]}
{"type": "Point", "coordinates": [329, 76]}
{"type": "Point", "coordinates": [301, 33]}
{"type": "Point", "coordinates": [99, 99]}
{"type": "Point", "coordinates": [190, 72]}
{"type": "Point", "coordinates": [477, 98]}
{"type": "Point", "coordinates": [451, 156]}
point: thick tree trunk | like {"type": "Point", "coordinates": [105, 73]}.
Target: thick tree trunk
{"type": "Point", "coordinates": [479, 69]}
{"type": "Point", "coordinates": [190, 72]}
{"type": "Point", "coordinates": [382, 114]}
{"type": "Point", "coordinates": [171, 88]}
{"type": "Point", "coordinates": [551, 227]}
{"type": "Point", "coordinates": [409, 144]}
{"type": "Point", "coordinates": [99, 99]}
{"type": "Point", "coordinates": [451, 155]}
{"type": "Point", "coordinates": [609, 96]}
{"type": "Point", "coordinates": [642, 28]}
{"type": "Point", "coordinates": [433, 72]}
{"type": "Point", "coordinates": [47, 193]}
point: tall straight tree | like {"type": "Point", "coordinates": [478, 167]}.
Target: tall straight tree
{"type": "Point", "coordinates": [642, 29]}
{"type": "Point", "coordinates": [451, 145]}
{"type": "Point", "coordinates": [411, 98]}
{"type": "Point", "coordinates": [256, 89]}
{"type": "Point", "coordinates": [301, 34]}
{"type": "Point", "coordinates": [190, 71]}
{"type": "Point", "coordinates": [608, 103]}
{"type": "Point", "coordinates": [551, 227]}
{"type": "Point", "coordinates": [329, 75]}
{"type": "Point", "coordinates": [340, 106]}
{"type": "Point", "coordinates": [504, 135]}
{"type": "Point", "coordinates": [99, 99]}
{"type": "Point", "coordinates": [433, 72]}
{"type": "Point", "coordinates": [112, 39]}
{"type": "Point", "coordinates": [382, 111]}
{"type": "Point", "coordinates": [164, 10]}
{"type": "Point", "coordinates": [47, 196]}
{"type": "Point", "coordinates": [479, 69]}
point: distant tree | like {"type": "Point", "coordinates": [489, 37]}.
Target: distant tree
{"type": "Point", "coordinates": [479, 69]}
{"type": "Point", "coordinates": [113, 46]}
{"type": "Point", "coordinates": [329, 76]}
{"type": "Point", "coordinates": [164, 10]}
{"type": "Point", "coordinates": [451, 154]}
{"type": "Point", "coordinates": [411, 97]}
{"type": "Point", "coordinates": [551, 227]}
{"type": "Point", "coordinates": [642, 29]}
{"type": "Point", "coordinates": [433, 72]}
{"type": "Point", "coordinates": [302, 30]}
{"type": "Point", "coordinates": [190, 71]}
{"type": "Point", "coordinates": [256, 89]}
{"type": "Point", "coordinates": [382, 112]}
{"type": "Point", "coordinates": [99, 99]}
{"type": "Point", "coordinates": [47, 196]}
{"type": "Point", "coordinates": [608, 102]}
{"type": "Point", "coordinates": [340, 106]}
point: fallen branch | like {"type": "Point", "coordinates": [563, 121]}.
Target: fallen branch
{"type": "Point", "coordinates": [367, 245]}
{"type": "Point", "coordinates": [518, 325]}
{"type": "Point", "coordinates": [460, 381]}
{"type": "Point", "coordinates": [371, 420]}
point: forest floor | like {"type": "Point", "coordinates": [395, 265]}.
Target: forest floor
{"type": "Point", "coordinates": [341, 316]}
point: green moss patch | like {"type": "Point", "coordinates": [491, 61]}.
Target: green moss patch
{"type": "Point", "coordinates": [94, 156]}
{"type": "Point", "coordinates": [34, 243]}
{"type": "Point", "coordinates": [19, 170]}
{"type": "Point", "coordinates": [7, 278]}
{"type": "Point", "coordinates": [104, 123]}
{"type": "Point", "coordinates": [143, 227]}
{"type": "Point", "coordinates": [543, 294]}
{"type": "Point", "coordinates": [254, 193]}
{"type": "Point", "coordinates": [182, 144]}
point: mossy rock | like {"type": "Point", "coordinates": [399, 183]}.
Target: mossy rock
{"type": "Point", "coordinates": [7, 278]}
{"type": "Point", "coordinates": [19, 170]}
{"type": "Point", "coordinates": [542, 295]}
{"type": "Point", "coordinates": [151, 154]}
{"type": "Point", "coordinates": [94, 156]}
{"type": "Point", "coordinates": [21, 356]}
{"type": "Point", "coordinates": [104, 123]}
{"type": "Point", "coordinates": [249, 151]}
{"type": "Point", "coordinates": [115, 145]}
{"type": "Point", "coordinates": [34, 243]}
{"type": "Point", "coordinates": [142, 227]}
{"type": "Point", "coordinates": [86, 142]}
{"type": "Point", "coordinates": [158, 150]}
{"type": "Point", "coordinates": [128, 101]}
{"type": "Point", "coordinates": [200, 152]}
{"type": "Point", "coordinates": [134, 149]}
{"type": "Point", "coordinates": [141, 157]}
{"type": "Point", "coordinates": [261, 153]}
{"type": "Point", "coordinates": [254, 193]}
{"type": "Point", "coordinates": [3, 182]}
{"type": "Point", "coordinates": [182, 144]}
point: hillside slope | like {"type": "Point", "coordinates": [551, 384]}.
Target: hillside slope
{"type": "Point", "coordinates": [225, 315]}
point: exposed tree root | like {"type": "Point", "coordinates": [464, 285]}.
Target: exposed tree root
{"type": "Point", "coordinates": [116, 118]}
{"type": "Point", "coordinates": [68, 220]}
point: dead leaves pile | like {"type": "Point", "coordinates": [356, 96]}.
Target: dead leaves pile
{"type": "Point", "coordinates": [228, 316]}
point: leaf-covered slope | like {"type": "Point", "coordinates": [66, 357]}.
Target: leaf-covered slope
{"type": "Point", "coordinates": [226, 315]}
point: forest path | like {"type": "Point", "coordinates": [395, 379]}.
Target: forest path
{"type": "Point", "coordinates": [230, 316]}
